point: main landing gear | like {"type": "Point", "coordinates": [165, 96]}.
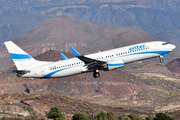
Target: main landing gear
{"type": "Point", "coordinates": [161, 59]}
{"type": "Point", "coordinates": [96, 74]}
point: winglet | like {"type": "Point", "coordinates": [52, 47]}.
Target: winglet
{"type": "Point", "coordinates": [76, 54]}
{"type": "Point", "coordinates": [63, 56]}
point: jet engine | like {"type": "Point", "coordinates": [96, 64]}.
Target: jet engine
{"type": "Point", "coordinates": [114, 64]}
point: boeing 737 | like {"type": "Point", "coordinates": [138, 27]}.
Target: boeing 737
{"type": "Point", "coordinates": [28, 67]}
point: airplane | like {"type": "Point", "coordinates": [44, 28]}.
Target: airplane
{"type": "Point", "coordinates": [107, 60]}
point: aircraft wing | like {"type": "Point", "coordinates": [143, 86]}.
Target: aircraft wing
{"type": "Point", "coordinates": [89, 62]}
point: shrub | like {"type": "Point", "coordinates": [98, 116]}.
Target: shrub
{"type": "Point", "coordinates": [162, 116]}
{"type": "Point", "coordinates": [110, 116]}
{"type": "Point", "coordinates": [123, 117]}
{"type": "Point", "coordinates": [101, 116]}
{"type": "Point", "coordinates": [80, 116]}
{"type": "Point", "coordinates": [132, 117]}
{"type": "Point", "coordinates": [55, 113]}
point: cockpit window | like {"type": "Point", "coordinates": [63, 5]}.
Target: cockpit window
{"type": "Point", "coordinates": [164, 43]}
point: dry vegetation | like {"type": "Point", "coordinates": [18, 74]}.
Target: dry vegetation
{"type": "Point", "coordinates": [40, 104]}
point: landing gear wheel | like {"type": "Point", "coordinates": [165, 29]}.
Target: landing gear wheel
{"type": "Point", "coordinates": [161, 60]}
{"type": "Point", "coordinates": [96, 74]}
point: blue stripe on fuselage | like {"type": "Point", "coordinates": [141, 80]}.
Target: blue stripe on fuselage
{"type": "Point", "coordinates": [52, 73]}
{"type": "Point", "coordinates": [20, 56]}
{"type": "Point", "coordinates": [152, 52]}
{"type": "Point", "coordinates": [147, 52]}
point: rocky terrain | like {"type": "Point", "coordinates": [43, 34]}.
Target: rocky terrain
{"type": "Point", "coordinates": [156, 87]}
{"type": "Point", "coordinates": [37, 105]}
{"type": "Point", "coordinates": [82, 86]}
{"type": "Point", "coordinates": [113, 88]}
{"type": "Point", "coordinates": [174, 66]}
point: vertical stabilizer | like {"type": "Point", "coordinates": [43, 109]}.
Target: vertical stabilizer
{"type": "Point", "coordinates": [22, 60]}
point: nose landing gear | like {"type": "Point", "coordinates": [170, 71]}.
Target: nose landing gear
{"type": "Point", "coordinates": [96, 74]}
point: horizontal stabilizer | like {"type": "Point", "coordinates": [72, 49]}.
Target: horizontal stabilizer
{"type": "Point", "coordinates": [63, 56]}
{"type": "Point", "coordinates": [21, 71]}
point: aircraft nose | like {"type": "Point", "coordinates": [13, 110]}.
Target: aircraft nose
{"type": "Point", "coordinates": [172, 46]}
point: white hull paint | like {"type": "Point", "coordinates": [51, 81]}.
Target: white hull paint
{"type": "Point", "coordinates": [107, 60]}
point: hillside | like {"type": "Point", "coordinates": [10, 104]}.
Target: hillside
{"type": "Point", "coordinates": [40, 104]}
{"type": "Point", "coordinates": [24, 105]}
{"type": "Point", "coordinates": [114, 88]}
{"type": "Point", "coordinates": [174, 66]}
{"type": "Point", "coordinates": [155, 17]}
{"type": "Point", "coordinates": [60, 32]}
{"type": "Point", "coordinates": [104, 90]}
{"type": "Point", "coordinates": [157, 87]}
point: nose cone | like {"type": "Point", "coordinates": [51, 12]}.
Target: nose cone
{"type": "Point", "coordinates": [172, 46]}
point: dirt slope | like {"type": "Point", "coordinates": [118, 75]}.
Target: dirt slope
{"type": "Point", "coordinates": [174, 66]}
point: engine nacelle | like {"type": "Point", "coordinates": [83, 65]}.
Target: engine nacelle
{"type": "Point", "coordinates": [114, 64]}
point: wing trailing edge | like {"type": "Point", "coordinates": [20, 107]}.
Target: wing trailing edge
{"type": "Point", "coordinates": [92, 64]}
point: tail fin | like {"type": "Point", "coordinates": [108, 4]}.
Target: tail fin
{"type": "Point", "coordinates": [22, 60]}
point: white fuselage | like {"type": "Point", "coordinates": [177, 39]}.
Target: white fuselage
{"type": "Point", "coordinates": [126, 54]}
